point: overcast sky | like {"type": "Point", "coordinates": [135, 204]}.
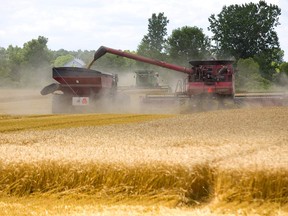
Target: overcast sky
{"type": "Point", "coordinates": [119, 24]}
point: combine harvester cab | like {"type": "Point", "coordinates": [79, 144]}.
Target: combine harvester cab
{"type": "Point", "coordinates": [211, 77]}
{"type": "Point", "coordinates": [211, 84]}
{"type": "Point", "coordinates": [80, 89]}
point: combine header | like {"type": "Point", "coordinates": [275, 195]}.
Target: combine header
{"type": "Point", "coordinates": [209, 83]}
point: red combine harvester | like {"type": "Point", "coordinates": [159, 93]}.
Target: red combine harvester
{"type": "Point", "coordinates": [209, 77]}
{"type": "Point", "coordinates": [208, 83]}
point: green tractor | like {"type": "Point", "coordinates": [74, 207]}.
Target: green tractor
{"type": "Point", "coordinates": [147, 78]}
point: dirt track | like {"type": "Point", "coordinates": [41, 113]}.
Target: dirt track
{"type": "Point", "coordinates": [24, 101]}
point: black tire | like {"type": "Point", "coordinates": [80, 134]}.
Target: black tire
{"type": "Point", "coordinates": [50, 89]}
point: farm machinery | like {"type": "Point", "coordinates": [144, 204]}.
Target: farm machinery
{"type": "Point", "coordinates": [208, 83]}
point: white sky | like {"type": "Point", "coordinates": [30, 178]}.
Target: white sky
{"type": "Point", "coordinates": [119, 24]}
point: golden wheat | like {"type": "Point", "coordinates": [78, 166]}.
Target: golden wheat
{"type": "Point", "coordinates": [188, 139]}
{"type": "Point", "coordinates": [12, 123]}
{"type": "Point", "coordinates": [232, 155]}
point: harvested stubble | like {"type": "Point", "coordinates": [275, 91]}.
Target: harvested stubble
{"type": "Point", "coordinates": [232, 155]}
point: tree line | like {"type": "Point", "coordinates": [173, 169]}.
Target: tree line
{"type": "Point", "coordinates": [245, 33]}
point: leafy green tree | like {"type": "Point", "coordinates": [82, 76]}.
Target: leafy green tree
{"type": "Point", "coordinates": [282, 77]}
{"type": "Point", "coordinates": [4, 64]}
{"type": "Point", "coordinates": [284, 68]}
{"type": "Point", "coordinates": [35, 52]}
{"type": "Point", "coordinates": [86, 56]}
{"type": "Point", "coordinates": [36, 65]}
{"type": "Point", "coordinates": [153, 44]}
{"type": "Point", "coordinates": [188, 43]}
{"type": "Point", "coordinates": [269, 61]}
{"type": "Point", "coordinates": [248, 76]}
{"type": "Point", "coordinates": [15, 59]}
{"type": "Point", "coordinates": [62, 60]}
{"type": "Point", "coordinates": [114, 64]}
{"type": "Point", "coordinates": [61, 52]}
{"type": "Point", "coordinates": [248, 30]}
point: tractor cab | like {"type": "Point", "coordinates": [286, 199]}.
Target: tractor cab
{"type": "Point", "coordinates": [147, 78]}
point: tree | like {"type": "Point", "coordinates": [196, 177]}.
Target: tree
{"type": "Point", "coordinates": [60, 52]}
{"type": "Point", "coordinates": [153, 44]}
{"type": "Point", "coordinates": [248, 76]}
{"type": "Point", "coordinates": [36, 65]}
{"type": "Point", "coordinates": [284, 68]}
{"type": "Point", "coordinates": [269, 61]}
{"type": "Point", "coordinates": [62, 60]}
{"type": "Point", "coordinates": [114, 64]}
{"type": "Point", "coordinates": [35, 52]}
{"type": "Point", "coordinates": [188, 43]}
{"type": "Point", "coordinates": [15, 59]}
{"type": "Point", "coordinates": [248, 30]}
{"type": "Point", "coordinates": [4, 64]}
{"type": "Point", "coordinates": [282, 77]}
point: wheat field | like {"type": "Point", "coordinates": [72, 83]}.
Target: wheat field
{"type": "Point", "coordinates": [225, 162]}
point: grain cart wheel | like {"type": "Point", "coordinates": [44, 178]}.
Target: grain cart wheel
{"type": "Point", "coordinates": [50, 89]}
{"type": "Point", "coordinates": [61, 103]}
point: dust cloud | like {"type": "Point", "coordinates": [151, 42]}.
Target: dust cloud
{"type": "Point", "coordinates": [128, 98]}
{"type": "Point", "coordinates": [24, 101]}
{"type": "Point", "coordinates": [22, 96]}
{"type": "Point", "coordinates": [126, 79]}
{"type": "Point", "coordinates": [282, 81]}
